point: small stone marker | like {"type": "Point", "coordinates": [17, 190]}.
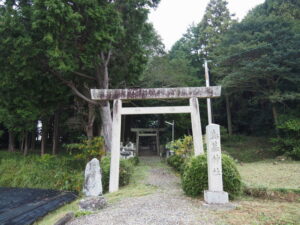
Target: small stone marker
{"type": "Point", "coordinates": [215, 194]}
{"type": "Point", "coordinates": [92, 179]}
{"type": "Point", "coordinates": [93, 203]}
{"type": "Point", "coordinates": [92, 187]}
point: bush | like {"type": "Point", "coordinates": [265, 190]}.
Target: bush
{"type": "Point", "coordinates": [33, 172]}
{"type": "Point", "coordinates": [195, 177]}
{"type": "Point", "coordinates": [183, 146]}
{"type": "Point", "coordinates": [87, 149]}
{"type": "Point", "coordinates": [176, 161]}
{"type": "Point", "coordinates": [288, 142]}
{"type": "Point", "coordinates": [126, 170]}
{"type": "Point", "coordinates": [134, 160]}
{"type": "Point", "coordinates": [67, 172]}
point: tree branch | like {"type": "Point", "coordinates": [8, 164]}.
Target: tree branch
{"type": "Point", "coordinates": [106, 59]}
{"type": "Point", "coordinates": [84, 75]}
{"type": "Point", "coordinates": [74, 89]}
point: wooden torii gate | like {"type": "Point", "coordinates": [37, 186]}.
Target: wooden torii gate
{"type": "Point", "coordinates": [117, 95]}
{"type": "Point", "coordinates": [147, 132]}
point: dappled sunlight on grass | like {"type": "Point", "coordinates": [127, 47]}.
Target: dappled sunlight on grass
{"type": "Point", "coordinates": [271, 174]}
{"type": "Point", "coordinates": [262, 212]}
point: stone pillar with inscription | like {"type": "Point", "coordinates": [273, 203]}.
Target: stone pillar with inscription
{"type": "Point", "coordinates": [215, 193]}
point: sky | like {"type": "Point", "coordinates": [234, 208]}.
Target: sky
{"type": "Point", "coordinates": [172, 17]}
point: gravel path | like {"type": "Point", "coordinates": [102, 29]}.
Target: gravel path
{"type": "Point", "coordinates": [167, 206]}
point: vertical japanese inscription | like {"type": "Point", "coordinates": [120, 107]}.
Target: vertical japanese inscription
{"type": "Point", "coordinates": [214, 158]}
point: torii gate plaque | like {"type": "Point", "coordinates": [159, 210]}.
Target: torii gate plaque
{"type": "Point", "coordinates": [193, 93]}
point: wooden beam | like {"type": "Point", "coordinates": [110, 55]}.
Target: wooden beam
{"type": "Point", "coordinates": [147, 129]}
{"type": "Point", "coordinates": [155, 110]}
{"type": "Point", "coordinates": [147, 135]}
{"type": "Point", "coordinates": [156, 93]}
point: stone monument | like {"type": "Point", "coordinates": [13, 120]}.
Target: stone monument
{"type": "Point", "coordinates": [92, 179]}
{"type": "Point", "coordinates": [92, 187]}
{"type": "Point", "coordinates": [215, 193]}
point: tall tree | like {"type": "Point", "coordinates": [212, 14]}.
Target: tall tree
{"type": "Point", "coordinates": [85, 40]}
{"type": "Point", "coordinates": [216, 21]}
{"type": "Point", "coordinates": [259, 57]}
{"type": "Point", "coordinates": [27, 93]}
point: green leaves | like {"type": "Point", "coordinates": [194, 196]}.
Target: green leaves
{"type": "Point", "coordinates": [289, 140]}
{"type": "Point", "coordinates": [88, 149]}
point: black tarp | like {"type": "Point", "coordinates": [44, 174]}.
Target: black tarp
{"type": "Point", "coordinates": [22, 206]}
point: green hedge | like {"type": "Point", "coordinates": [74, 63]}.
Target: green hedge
{"type": "Point", "coordinates": [126, 169]}
{"type": "Point", "coordinates": [176, 162]}
{"type": "Point", "coordinates": [195, 177]}
{"type": "Point", "coordinates": [53, 172]}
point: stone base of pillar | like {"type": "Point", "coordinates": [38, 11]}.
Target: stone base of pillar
{"type": "Point", "coordinates": [216, 197]}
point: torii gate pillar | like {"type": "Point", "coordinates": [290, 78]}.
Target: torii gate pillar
{"type": "Point", "coordinates": [196, 126]}
{"type": "Point", "coordinates": [192, 93]}
{"type": "Point", "coordinates": [115, 146]}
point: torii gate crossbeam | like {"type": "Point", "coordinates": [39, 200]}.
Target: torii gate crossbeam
{"type": "Point", "coordinates": [192, 93]}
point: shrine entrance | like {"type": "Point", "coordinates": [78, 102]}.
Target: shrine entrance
{"type": "Point", "coordinates": [117, 95]}
{"type": "Point", "coordinates": [150, 146]}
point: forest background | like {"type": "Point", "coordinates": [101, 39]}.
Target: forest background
{"type": "Point", "coordinates": [53, 52]}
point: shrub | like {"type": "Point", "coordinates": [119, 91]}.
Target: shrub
{"type": "Point", "coordinates": [195, 177]}
{"type": "Point", "coordinates": [67, 173]}
{"type": "Point", "coordinates": [176, 161]}
{"type": "Point", "coordinates": [288, 142]}
{"type": "Point", "coordinates": [183, 149]}
{"type": "Point", "coordinates": [87, 149]}
{"type": "Point", "coordinates": [33, 172]}
{"type": "Point", "coordinates": [134, 160]}
{"type": "Point", "coordinates": [126, 169]}
{"type": "Point", "coordinates": [183, 146]}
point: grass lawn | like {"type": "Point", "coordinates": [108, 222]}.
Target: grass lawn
{"type": "Point", "coordinates": [271, 174]}
{"type": "Point", "coordinates": [262, 212]}
{"type": "Point", "coordinates": [248, 149]}
{"type": "Point", "coordinates": [259, 169]}
{"type": "Point", "coordinates": [257, 164]}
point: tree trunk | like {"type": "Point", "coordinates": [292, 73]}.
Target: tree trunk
{"type": "Point", "coordinates": [22, 143]}
{"type": "Point", "coordinates": [229, 122]}
{"type": "Point", "coordinates": [25, 143]}
{"type": "Point", "coordinates": [91, 119]}
{"type": "Point", "coordinates": [44, 137]}
{"type": "Point", "coordinates": [99, 129]}
{"type": "Point", "coordinates": [106, 119]}
{"type": "Point", "coordinates": [32, 144]}
{"type": "Point", "coordinates": [11, 142]}
{"type": "Point", "coordinates": [275, 117]}
{"type": "Point", "coordinates": [55, 133]}
{"type": "Point", "coordinates": [102, 77]}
